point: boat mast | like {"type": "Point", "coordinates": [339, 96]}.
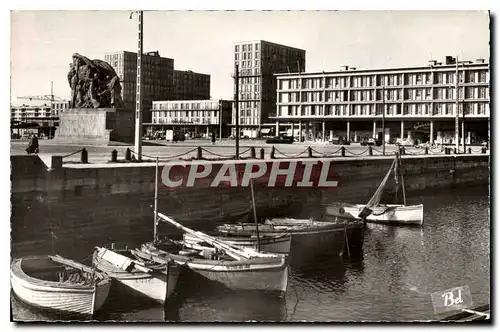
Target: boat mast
{"type": "Point", "coordinates": [155, 235]}
{"type": "Point", "coordinates": [402, 179]}
{"type": "Point", "coordinates": [255, 216]}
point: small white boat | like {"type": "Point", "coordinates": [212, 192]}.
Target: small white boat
{"type": "Point", "coordinates": [237, 269]}
{"type": "Point", "coordinates": [57, 283]}
{"type": "Point", "coordinates": [153, 280]}
{"type": "Point", "coordinates": [390, 213]}
{"type": "Point", "coordinates": [394, 214]}
{"type": "Point", "coordinates": [265, 273]}
{"type": "Point", "coordinates": [279, 243]}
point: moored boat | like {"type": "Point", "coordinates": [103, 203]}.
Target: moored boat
{"type": "Point", "coordinates": [313, 236]}
{"type": "Point", "coordinates": [235, 268]}
{"type": "Point", "coordinates": [60, 284]}
{"type": "Point", "coordinates": [156, 281]}
{"type": "Point", "coordinates": [389, 213]}
{"type": "Point", "coordinates": [276, 243]}
{"type": "Point", "coordinates": [395, 214]}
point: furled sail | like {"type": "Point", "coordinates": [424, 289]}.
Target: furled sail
{"type": "Point", "coordinates": [375, 200]}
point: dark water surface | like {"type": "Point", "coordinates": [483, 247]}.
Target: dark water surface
{"type": "Point", "coordinates": [392, 281]}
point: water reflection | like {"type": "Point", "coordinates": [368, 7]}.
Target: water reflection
{"type": "Point", "coordinates": [391, 280]}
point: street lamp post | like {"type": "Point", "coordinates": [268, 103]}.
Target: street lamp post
{"type": "Point", "coordinates": [138, 96]}
{"type": "Point", "coordinates": [383, 120]}
{"type": "Point", "coordinates": [237, 111]}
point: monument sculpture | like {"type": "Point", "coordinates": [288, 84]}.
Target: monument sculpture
{"type": "Point", "coordinates": [97, 112]}
{"type": "Point", "coordinates": [94, 84]}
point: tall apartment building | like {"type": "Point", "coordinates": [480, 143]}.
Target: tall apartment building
{"type": "Point", "coordinates": [157, 74]}
{"type": "Point", "coordinates": [192, 117]}
{"type": "Point", "coordinates": [258, 61]}
{"type": "Point", "coordinates": [189, 85]}
{"type": "Point", "coordinates": [417, 101]}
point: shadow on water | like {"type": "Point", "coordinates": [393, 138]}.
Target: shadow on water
{"type": "Point", "coordinates": [201, 299]}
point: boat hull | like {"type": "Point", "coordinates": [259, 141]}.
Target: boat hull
{"type": "Point", "coordinates": [54, 296]}
{"type": "Point", "coordinates": [262, 274]}
{"type": "Point", "coordinates": [158, 286]}
{"type": "Point", "coordinates": [390, 214]}
{"type": "Point", "coordinates": [307, 236]}
{"type": "Point", "coordinates": [275, 244]}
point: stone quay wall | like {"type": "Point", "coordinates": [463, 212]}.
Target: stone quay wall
{"type": "Point", "coordinates": [76, 207]}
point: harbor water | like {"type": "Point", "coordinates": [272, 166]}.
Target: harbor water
{"type": "Point", "coordinates": [391, 280]}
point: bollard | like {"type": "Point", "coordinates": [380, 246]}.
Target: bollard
{"type": "Point", "coordinates": [455, 150]}
{"type": "Point", "coordinates": [261, 153]}
{"type": "Point", "coordinates": [199, 154]}
{"type": "Point", "coordinates": [483, 150]}
{"type": "Point", "coordinates": [342, 151]}
{"type": "Point", "coordinates": [370, 151]}
{"type": "Point", "coordinates": [469, 150]}
{"type": "Point", "coordinates": [426, 150]}
{"type": "Point", "coordinates": [272, 153]}
{"type": "Point", "coordinates": [446, 150]}
{"type": "Point", "coordinates": [252, 152]}
{"type": "Point", "coordinates": [309, 152]}
{"type": "Point", "coordinates": [128, 155]}
{"type": "Point", "coordinates": [114, 156]}
{"type": "Point", "coordinates": [84, 158]}
{"type": "Point", "coordinates": [403, 152]}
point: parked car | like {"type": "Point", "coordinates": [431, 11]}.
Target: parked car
{"type": "Point", "coordinates": [371, 141]}
{"type": "Point", "coordinates": [339, 141]}
{"type": "Point", "coordinates": [282, 139]}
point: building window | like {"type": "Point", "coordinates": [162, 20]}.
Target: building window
{"type": "Point", "coordinates": [256, 47]}
{"type": "Point", "coordinates": [482, 76]}
{"type": "Point", "coordinates": [482, 93]}
{"type": "Point", "coordinates": [481, 109]}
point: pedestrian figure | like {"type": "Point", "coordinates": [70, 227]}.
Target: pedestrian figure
{"type": "Point", "coordinates": [33, 145]}
{"type": "Point", "coordinates": [213, 137]}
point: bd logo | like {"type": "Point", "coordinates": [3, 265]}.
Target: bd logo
{"type": "Point", "coordinates": [453, 297]}
{"type": "Point", "coordinates": [457, 298]}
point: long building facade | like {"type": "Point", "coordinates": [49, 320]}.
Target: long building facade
{"type": "Point", "coordinates": [420, 103]}
{"type": "Point", "coordinates": [189, 85]}
{"type": "Point", "coordinates": [157, 78]}
{"type": "Point", "coordinates": [194, 118]}
{"type": "Point", "coordinates": [40, 119]}
{"type": "Point", "coordinates": [258, 61]}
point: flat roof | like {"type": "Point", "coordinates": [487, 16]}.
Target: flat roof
{"type": "Point", "coordinates": [191, 101]}
{"type": "Point", "coordinates": [267, 42]}
{"type": "Point", "coordinates": [393, 69]}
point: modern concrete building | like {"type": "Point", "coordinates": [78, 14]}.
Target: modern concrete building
{"type": "Point", "coordinates": [40, 119]}
{"type": "Point", "coordinates": [193, 117]}
{"type": "Point", "coordinates": [189, 85]}
{"type": "Point", "coordinates": [258, 61]}
{"type": "Point", "coordinates": [157, 71]}
{"type": "Point", "coordinates": [419, 103]}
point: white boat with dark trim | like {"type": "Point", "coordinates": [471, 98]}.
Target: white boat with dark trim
{"type": "Point", "coordinates": [60, 284]}
{"type": "Point", "coordinates": [390, 213]}
{"type": "Point", "coordinates": [394, 214]}
{"type": "Point", "coordinates": [156, 281]}
{"type": "Point", "coordinates": [235, 268]}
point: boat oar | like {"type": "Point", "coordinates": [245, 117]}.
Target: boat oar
{"type": "Point", "coordinates": [231, 251]}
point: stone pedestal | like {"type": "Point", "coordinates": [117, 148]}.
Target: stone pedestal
{"type": "Point", "coordinates": [102, 125]}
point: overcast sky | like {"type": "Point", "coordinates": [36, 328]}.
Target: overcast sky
{"type": "Point", "coordinates": [42, 42]}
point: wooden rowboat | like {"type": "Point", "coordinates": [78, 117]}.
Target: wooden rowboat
{"type": "Point", "coordinates": [278, 243]}
{"type": "Point", "coordinates": [60, 284]}
{"type": "Point", "coordinates": [235, 268]}
{"type": "Point", "coordinates": [156, 281]}
{"type": "Point", "coordinates": [268, 272]}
